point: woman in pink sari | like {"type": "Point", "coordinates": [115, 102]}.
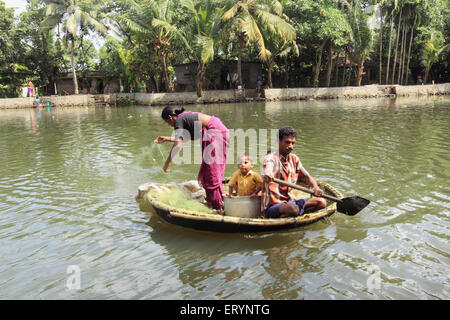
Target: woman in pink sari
{"type": "Point", "coordinates": [30, 89]}
{"type": "Point", "coordinates": [214, 139]}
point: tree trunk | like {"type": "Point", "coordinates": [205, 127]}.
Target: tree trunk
{"type": "Point", "coordinates": [286, 73]}
{"type": "Point", "coordinates": [389, 51]}
{"type": "Point", "coordinates": [47, 76]}
{"type": "Point", "coordinates": [239, 65]}
{"type": "Point", "coordinates": [343, 71]}
{"type": "Point", "coordinates": [337, 70]}
{"type": "Point", "coordinates": [200, 75]}
{"type": "Point", "coordinates": [162, 58]}
{"type": "Point", "coordinates": [154, 83]}
{"type": "Point", "coordinates": [269, 72]}
{"type": "Point", "coordinates": [400, 64]}
{"type": "Point", "coordinates": [44, 76]}
{"type": "Point", "coordinates": [74, 74]}
{"type": "Point", "coordinates": [330, 62]}
{"type": "Point", "coordinates": [148, 86]}
{"type": "Point", "coordinates": [381, 46]}
{"type": "Point", "coordinates": [349, 75]}
{"type": "Point", "coordinates": [84, 72]}
{"type": "Point", "coordinates": [319, 62]}
{"type": "Point", "coordinates": [427, 71]}
{"type": "Point", "coordinates": [360, 70]}
{"type": "Point", "coordinates": [404, 54]}
{"type": "Point", "coordinates": [160, 81]}
{"type": "Point", "coordinates": [150, 83]}
{"type": "Point", "coordinates": [396, 46]}
{"type": "Point", "coordinates": [409, 50]}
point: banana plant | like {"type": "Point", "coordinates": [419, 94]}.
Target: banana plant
{"type": "Point", "coordinates": [433, 49]}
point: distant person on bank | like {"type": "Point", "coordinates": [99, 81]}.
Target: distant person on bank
{"type": "Point", "coordinates": [36, 102]}
{"type": "Point", "coordinates": [419, 79]}
{"type": "Point", "coordinates": [30, 89]}
{"type": "Point", "coordinates": [277, 201]}
{"type": "Point", "coordinates": [215, 139]}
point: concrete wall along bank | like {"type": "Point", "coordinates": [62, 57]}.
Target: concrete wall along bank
{"type": "Point", "coordinates": [354, 92]}
{"type": "Point", "coordinates": [216, 96]}
{"type": "Point", "coordinates": [210, 96]}
{"type": "Point", "coordinates": [72, 100]}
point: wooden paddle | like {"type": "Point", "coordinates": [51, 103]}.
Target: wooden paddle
{"type": "Point", "coordinates": [349, 206]}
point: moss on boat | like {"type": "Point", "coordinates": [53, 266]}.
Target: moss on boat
{"type": "Point", "coordinates": [159, 202]}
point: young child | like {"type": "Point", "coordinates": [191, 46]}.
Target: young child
{"type": "Point", "coordinates": [36, 102]}
{"type": "Point", "coordinates": [245, 181]}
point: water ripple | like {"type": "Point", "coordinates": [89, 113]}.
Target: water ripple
{"type": "Point", "coordinates": [69, 177]}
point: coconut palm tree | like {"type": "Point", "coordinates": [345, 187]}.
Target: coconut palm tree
{"type": "Point", "coordinates": [73, 15]}
{"type": "Point", "coordinates": [247, 18]}
{"type": "Point", "coordinates": [154, 19]}
{"type": "Point", "coordinates": [165, 30]}
{"type": "Point", "coordinates": [205, 26]}
{"type": "Point", "coordinates": [362, 34]}
{"type": "Point", "coordinates": [278, 47]}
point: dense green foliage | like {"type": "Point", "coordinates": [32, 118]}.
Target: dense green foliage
{"type": "Point", "coordinates": [299, 42]}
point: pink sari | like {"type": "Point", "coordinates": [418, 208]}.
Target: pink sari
{"type": "Point", "coordinates": [215, 140]}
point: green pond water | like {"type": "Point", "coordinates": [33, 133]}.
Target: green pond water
{"type": "Point", "coordinates": [70, 227]}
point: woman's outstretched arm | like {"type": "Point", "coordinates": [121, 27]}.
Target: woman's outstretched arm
{"type": "Point", "coordinates": [175, 148]}
{"type": "Point", "coordinates": [162, 139]}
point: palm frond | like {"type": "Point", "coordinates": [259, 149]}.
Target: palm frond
{"type": "Point", "coordinates": [54, 9]}
{"type": "Point", "coordinates": [71, 25]}
{"type": "Point", "coordinates": [289, 48]}
{"type": "Point", "coordinates": [277, 25]}
{"type": "Point", "coordinates": [189, 4]}
{"type": "Point", "coordinates": [164, 25]}
{"type": "Point", "coordinates": [216, 23]}
{"type": "Point", "coordinates": [51, 21]}
{"type": "Point", "coordinates": [206, 45]}
{"type": "Point", "coordinates": [251, 29]}
{"type": "Point", "coordinates": [230, 13]}
{"type": "Point", "coordinates": [94, 23]}
{"type": "Point", "coordinates": [274, 6]}
{"type": "Point", "coordinates": [169, 29]}
{"type": "Point", "coordinates": [77, 15]}
{"type": "Point", "coordinates": [133, 25]}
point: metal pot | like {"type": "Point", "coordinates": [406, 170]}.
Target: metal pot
{"type": "Point", "coordinates": [244, 207]}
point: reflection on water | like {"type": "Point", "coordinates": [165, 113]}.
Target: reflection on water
{"type": "Point", "coordinates": [69, 177]}
{"type": "Point", "coordinates": [229, 259]}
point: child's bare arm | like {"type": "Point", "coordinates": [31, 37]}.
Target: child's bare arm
{"type": "Point", "coordinates": [255, 194]}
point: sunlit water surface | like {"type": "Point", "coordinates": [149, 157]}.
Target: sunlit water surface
{"type": "Point", "coordinates": [68, 178]}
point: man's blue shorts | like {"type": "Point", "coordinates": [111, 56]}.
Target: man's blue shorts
{"type": "Point", "coordinates": [274, 210]}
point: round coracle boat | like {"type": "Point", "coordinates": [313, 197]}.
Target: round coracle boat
{"type": "Point", "coordinates": [183, 204]}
